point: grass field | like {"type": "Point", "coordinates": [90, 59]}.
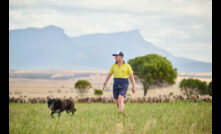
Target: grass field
{"type": "Point", "coordinates": [180, 117]}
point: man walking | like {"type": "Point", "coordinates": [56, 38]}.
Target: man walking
{"type": "Point", "coordinates": [121, 71]}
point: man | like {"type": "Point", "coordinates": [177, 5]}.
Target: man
{"type": "Point", "coordinates": [121, 71]}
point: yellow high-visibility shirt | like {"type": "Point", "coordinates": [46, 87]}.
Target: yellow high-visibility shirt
{"type": "Point", "coordinates": [123, 71]}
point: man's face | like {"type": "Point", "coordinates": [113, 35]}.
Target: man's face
{"type": "Point", "coordinates": [118, 58]}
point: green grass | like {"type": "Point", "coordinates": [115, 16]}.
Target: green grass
{"type": "Point", "coordinates": [96, 118]}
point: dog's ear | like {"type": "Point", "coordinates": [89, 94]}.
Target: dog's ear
{"type": "Point", "coordinates": [75, 109]}
{"type": "Point", "coordinates": [48, 98]}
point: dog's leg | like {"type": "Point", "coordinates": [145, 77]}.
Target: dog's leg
{"type": "Point", "coordinates": [73, 110]}
{"type": "Point", "coordinates": [59, 113]}
{"type": "Point", "coordinates": [52, 114]}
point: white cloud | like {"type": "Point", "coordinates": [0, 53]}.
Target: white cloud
{"type": "Point", "coordinates": [200, 51]}
{"type": "Point", "coordinates": [169, 32]}
{"type": "Point", "coordinates": [164, 23]}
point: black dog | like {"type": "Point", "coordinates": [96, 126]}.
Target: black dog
{"type": "Point", "coordinates": [59, 105]}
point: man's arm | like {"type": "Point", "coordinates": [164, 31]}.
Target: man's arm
{"type": "Point", "coordinates": [133, 82]}
{"type": "Point", "coordinates": [106, 80]}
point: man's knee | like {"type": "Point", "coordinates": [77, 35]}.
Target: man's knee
{"type": "Point", "coordinates": [121, 99]}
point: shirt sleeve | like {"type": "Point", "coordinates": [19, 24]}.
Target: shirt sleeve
{"type": "Point", "coordinates": [130, 71]}
{"type": "Point", "coordinates": [111, 70]}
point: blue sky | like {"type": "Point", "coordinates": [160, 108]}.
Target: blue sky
{"type": "Point", "coordinates": [182, 27]}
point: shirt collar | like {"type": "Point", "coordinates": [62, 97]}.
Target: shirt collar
{"type": "Point", "coordinates": [117, 62]}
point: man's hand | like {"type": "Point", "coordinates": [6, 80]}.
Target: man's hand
{"type": "Point", "coordinates": [133, 90]}
{"type": "Point", "coordinates": [133, 83]}
{"type": "Point", "coordinates": [106, 80]}
{"type": "Point", "coordinates": [104, 86]}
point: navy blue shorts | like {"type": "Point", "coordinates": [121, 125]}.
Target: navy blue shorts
{"type": "Point", "coordinates": [120, 87]}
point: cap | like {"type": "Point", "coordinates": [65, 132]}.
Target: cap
{"type": "Point", "coordinates": [119, 54]}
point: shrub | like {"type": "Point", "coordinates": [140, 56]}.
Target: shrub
{"type": "Point", "coordinates": [98, 92]}
{"type": "Point", "coordinates": [171, 94]}
{"type": "Point", "coordinates": [82, 86]}
{"type": "Point", "coordinates": [193, 87]}
{"type": "Point", "coordinates": [203, 88]}
{"type": "Point", "coordinates": [210, 88]}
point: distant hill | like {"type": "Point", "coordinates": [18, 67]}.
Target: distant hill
{"type": "Point", "coordinates": [50, 48]}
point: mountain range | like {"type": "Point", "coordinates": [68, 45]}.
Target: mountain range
{"type": "Point", "coordinates": [49, 48]}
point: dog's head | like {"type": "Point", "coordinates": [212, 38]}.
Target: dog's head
{"type": "Point", "coordinates": [52, 104]}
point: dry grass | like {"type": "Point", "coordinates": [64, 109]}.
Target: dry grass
{"type": "Point", "coordinates": [44, 87]}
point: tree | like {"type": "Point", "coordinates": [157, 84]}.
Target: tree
{"type": "Point", "coordinates": [192, 86]}
{"type": "Point", "coordinates": [203, 87]}
{"type": "Point", "coordinates": [210, 88]}
{"type": "Point", "coordinates": [153, 70]}
{"type": "Point", "coordinates": [98, 92]}
{"type": "Point", "coordinates": [82, 87]}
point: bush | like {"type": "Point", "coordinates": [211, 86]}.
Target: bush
{"type": "Point", "coordinates": [171, 94]}
{"type": "Point", "coordinates": [128, 94]}
{"type": "Point", "coordinates": [203, 88]}
{"type": "Point", "coordinates": [98, 92]}
{"type": "Point", "coordinates": [82, 86]}
{"type": "Point", "coordinates": [210, 88]}
{"type": "Point", "coordinates": [193, 87]}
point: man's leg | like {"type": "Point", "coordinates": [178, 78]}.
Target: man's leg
{"type": "Point", "coordinates": [121, 103]}
{"type": "Point", "coordinates": [117, 103]}
{"type": "Point", "coordinates": [115, 94]}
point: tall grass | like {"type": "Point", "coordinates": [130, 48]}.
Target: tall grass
{"type": "Point", "coordinates": [181, 117]}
